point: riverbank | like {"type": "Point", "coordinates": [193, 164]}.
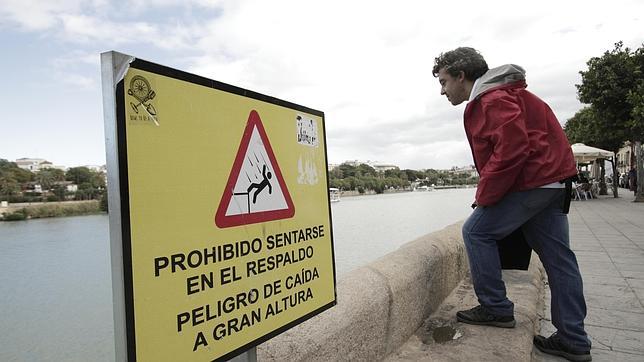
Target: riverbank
{"type": "Point", "coordinates": [351, 193]}
{"type": "Point", "coordinates": [37, 210]}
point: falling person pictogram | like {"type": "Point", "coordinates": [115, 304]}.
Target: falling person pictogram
{"type": "Point", "coordinates": [262, 185]}
{"type": "Point", "coordinates": [256, 190]}
{"type": "Point", "coordinates": [259, 187]}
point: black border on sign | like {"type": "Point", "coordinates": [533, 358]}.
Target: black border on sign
{"type": "Point", "coordinates": [128, 289]}
{"type": "Point", "coordinates": [125, 199]}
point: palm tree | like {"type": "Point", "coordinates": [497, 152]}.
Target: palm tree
{"type": "Point", "coordinates": [46, 177]}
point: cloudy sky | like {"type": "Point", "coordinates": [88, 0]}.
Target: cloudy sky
{"type": "Point", "coordinates": [366, 64]}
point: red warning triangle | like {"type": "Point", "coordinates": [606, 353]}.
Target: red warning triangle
{"type": "Point", "coordinates": [255, 191]}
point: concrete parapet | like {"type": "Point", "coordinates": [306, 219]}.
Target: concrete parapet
{"type": "Point", "coordinates": [379, 305]}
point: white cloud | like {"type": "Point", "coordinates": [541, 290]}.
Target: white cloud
{"type": "Point", "coordinates": [366, 64]}
{"type": "Point", "coordinates": [35, 15]}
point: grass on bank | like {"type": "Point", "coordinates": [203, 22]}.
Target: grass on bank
{"type": "Point", "coordinates": [53, 210]}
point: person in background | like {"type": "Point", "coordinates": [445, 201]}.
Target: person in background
{"type": "Point", "coordinates": [521, 154]}
{"type": "Point", "coordinates": [632, 180]}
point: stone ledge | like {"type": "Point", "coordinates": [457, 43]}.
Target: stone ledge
{"type": "Point", "coordinates": [442, 338]}
{"type": "Point", "coordinates": [380, 306]}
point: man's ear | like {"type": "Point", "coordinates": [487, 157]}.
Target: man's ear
{"type": "Point", "coordinates": [461, 76]}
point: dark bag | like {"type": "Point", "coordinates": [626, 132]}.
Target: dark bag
{"type": "Point", "coordinates": [514, 251]}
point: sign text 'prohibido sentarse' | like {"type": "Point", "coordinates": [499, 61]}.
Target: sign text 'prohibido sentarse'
{"type": "Point", "coordinates": [219, 213]}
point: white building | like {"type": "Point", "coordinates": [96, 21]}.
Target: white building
{"type": "Point", "coordinates": [382, 167]}
{"type": "Point", "coordinates": [378, 166]}
{"type": "Point", "coordinates": [36, 164]}
{"type": "Point", "coordinates": [626, 157]}
{"type": "Point", "coordinates": [31, 164]}
{"type": "Point", "coordinates": [470, 170]}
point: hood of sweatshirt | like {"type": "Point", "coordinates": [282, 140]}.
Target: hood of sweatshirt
{"type": "Point", "coordinates": [498, 76]}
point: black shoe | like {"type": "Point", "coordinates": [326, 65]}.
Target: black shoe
{"type": "Point", "coordinates": [478, 315]}
{"type": "Point", "coordinates": [555, 346]}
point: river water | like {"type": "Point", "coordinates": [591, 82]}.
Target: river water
{"type": "Point", "coordinates": [55, 283]}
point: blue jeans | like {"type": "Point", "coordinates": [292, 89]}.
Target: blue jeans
{"type": "Point", "coordinates": [538, 213]}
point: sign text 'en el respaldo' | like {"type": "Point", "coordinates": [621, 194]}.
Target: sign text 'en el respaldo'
{"type": "Point", "coordinates": [219, 213]}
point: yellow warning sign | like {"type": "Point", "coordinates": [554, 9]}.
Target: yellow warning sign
{"type": "Point", "coordinates": [227, 232]}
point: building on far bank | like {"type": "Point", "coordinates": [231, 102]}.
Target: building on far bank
{"type": "Point", "coordinates": [469, 170]}
{"type": "Point", "coordinates": [31, 164]}
{"type": "Point", "coordinates": [376, 165]}
{"type": "Point", "coordinates": [36, 164]}
{"type": "Point", "coordinates": [382, 167]}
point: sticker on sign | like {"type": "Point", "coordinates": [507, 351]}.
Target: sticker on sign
{"type": "Point", "coordinates": [307, 131]}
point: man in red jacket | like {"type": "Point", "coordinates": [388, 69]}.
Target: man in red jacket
{"type": "Point", "coordinates": [522, 156]}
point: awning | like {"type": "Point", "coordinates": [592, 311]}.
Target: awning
{"type": "Point", "coordinates": [585, 153]}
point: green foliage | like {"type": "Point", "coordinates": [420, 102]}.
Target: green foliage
{"type": "Point", "coordinates": [91, 184]}
{"type": "Point", "coordinates": [586, 127]}
{"type": "Point", "coordinates": [59, 191]}
{"type": "Point", "coordinates": [362, 178]}
{"type": "Point", "coordinates": [10, 169]}
{"type": "Point", "coordinates": [63, 209]}
{"type": "Point", "coordinates": [614, 85]}
{"type": "Point", "coordinates": [413, 175]}
{"type": "Point", "coordinates": [11, 177]}
{"type": "Point", "coordinates": [8, 186]}
{"type": "Point", "coordinates": [16, 215]}
{"type": "Point", "coordinates": [84, 176]}
{"type": "Point", "coordinates": [103, 202]}
{"type": "Point", "coordinates": [46, 177]}
{"type": "Point", "coordinates": [54, 210]}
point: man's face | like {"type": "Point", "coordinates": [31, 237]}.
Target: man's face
{"type": "Point", "coordinates": [453, 87]}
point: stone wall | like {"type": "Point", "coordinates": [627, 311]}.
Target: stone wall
{"type": "Point", "coordinates": [379, 305]}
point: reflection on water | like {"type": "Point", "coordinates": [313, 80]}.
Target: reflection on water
{"type": "Point", "coordinates": [55, 282]}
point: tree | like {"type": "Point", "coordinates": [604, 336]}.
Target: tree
{"type": "Point", "coordinates": [11, 169]}
{"type": "Point", "coordinates": [91, 184]}
{"type": "Point", "coordinates": [104, 203]}
{"type": "Point", "coordinates": [79, 175]}
{"type": "Point", "coordinates": [12, 177]}
{"type": "Point", "coordinates": [346, 170]}
{"type": "Point", "coordinates": [366, 170]}
{"type": "Point", "coordinates": [48, 176]}
{"type": "Point", "coordinates": [8, 186]}
{"type": "Point", "coordinates": [413, 175]}
{"type": "Point", "coordinates": [336, 173]}
{"type": "Point", "coordinates": [59, 191]}
{"type": "Point", "coordinates": [586, 127]}
{"type": "Point", "coordinates": [613, 85]}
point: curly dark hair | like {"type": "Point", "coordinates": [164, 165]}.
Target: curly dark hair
{"type": "Point", "coordinates": [465, 59]}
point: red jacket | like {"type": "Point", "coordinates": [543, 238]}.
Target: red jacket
{"type": "Point", "coordinates": [516, 141]}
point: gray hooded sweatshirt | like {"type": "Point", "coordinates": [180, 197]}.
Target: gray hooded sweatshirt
{"type": "Point", "coordinates": [495, 77]}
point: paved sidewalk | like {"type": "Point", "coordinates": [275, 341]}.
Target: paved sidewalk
{"type": "Point", "coordinates": [607, 234]}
